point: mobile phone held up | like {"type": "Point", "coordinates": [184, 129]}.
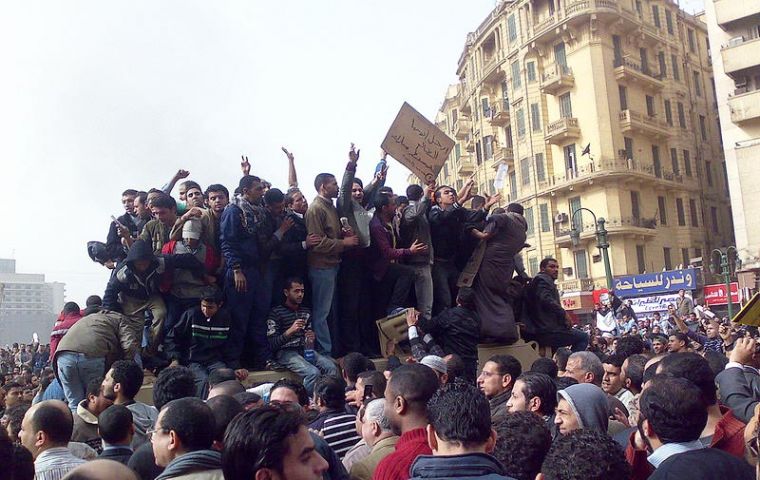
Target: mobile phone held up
{"type": "Point", "coordinates": [367, 396]}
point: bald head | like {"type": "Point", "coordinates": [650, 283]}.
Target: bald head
{"type": "Point", "coordinates": [98, 469]}
{"type": "Point", "coordinates": [46, 425]}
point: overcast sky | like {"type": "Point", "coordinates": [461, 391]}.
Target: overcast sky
{"type": "Point", "coordinates": [97, 97]}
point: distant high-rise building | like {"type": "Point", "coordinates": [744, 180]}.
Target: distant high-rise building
{"type": "Point", "coordinates": [28, 304]}
{"type": "Point", "coordinates": [734, 28]}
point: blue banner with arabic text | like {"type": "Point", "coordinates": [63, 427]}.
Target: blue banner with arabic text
{"type": "Point", "coordinates": [653, 283]}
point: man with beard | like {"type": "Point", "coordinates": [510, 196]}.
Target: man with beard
{"type": "Point", "coordinates": [120, 385]}
{"type": "Point", "coordinates": [130, 224]}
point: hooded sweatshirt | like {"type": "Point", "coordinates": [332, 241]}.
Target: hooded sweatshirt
{"type": "Point", "coordinates": [143, 417]}
{"type": "Point", "coordinates": [589, 404]}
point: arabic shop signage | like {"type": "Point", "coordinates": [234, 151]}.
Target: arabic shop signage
{"type": "Point", "coordinates": [651, 283]}
{"type": "Point", "coordinates": [716, 294]}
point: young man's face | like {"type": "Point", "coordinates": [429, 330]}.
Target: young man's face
{"type": "Point", "coordinates": [675, 345]}
{"type": "Point", "coordinates": [194, 197]}
{"type": "Point", "coordinates": [294, 294]}
{"type": "Point", "coordinates": [490, 381]}
{"type": "Point", "coordinates": [141, 209]}
{"type": "Point", "coordinates": [518, 402]}
{"type": "Point", "coordinates": [552, 269]}
{"type": "Point", "coordinates": [300, 205]}
{"type": "Point", "coordinates": [183, 192]}
{"type": "Point", "coordinates": [712, 330]}
{"type": "Point", "coordinates": [277, 209]}
{"type": "Point", "coordinates": [658, 347]}
{"type": "Point", "coordinates": [330, 188]}
{"type": "Point", "coordinates": [108, 385]}
{"type": "Point", "coordinates": [209, 308]}
{"type": "Point", "coordinates": [357, 192]}
{"type": "Point", "coordinates": [390, 209]}
{"type": "Point", "coordinates": [27, 435]}
{"type": "Point", "coordinates": [217, 201]}
{"type": "Point", "coordinates": [166, 216]}
{"type": "Point", "coordinates": [14, 396]}
{"type": "Point", "coordinates": [160, 441]}
{"type": "Point", "coordinates": [612, 381]}
{"type": "Point", "coordinates": [302, 462]}
{"type": "Point", "coordinates": [129, 203]}
{"type": "Point", "coordinates": [447, 196]}
{"type": "Point", "coordinates": [565, 419]}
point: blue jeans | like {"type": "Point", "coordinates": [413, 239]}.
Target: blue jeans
{"type": "Point", "coordinates": [201, 373]}
{"type": "Point", "coordinates": [323, 282]}
{"type": "Point", "coordinates": [75, 371]}
{"type": "Point", "coordinates": [298, 365]}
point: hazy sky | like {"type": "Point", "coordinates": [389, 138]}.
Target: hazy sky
{"type": "Point", "coordinates": [97, 97]}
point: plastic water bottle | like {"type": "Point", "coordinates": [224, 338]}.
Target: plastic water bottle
{"type": "Point", "coordinates": [308, 351]}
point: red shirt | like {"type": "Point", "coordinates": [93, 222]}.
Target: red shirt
{"type": "Point", "coordinates": [396, 465]}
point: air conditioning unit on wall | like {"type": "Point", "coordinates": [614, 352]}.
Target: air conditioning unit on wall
{"type": "Point", "coordinates": [560, 218]}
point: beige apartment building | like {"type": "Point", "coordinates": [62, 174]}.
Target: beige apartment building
{"type": "Point", "coordinates": [602, 104]}
{"type": "Point", "coordinates": [734, 27]}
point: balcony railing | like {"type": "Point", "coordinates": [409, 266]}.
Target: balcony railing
{"type": "Point", "coordinates": [499, 114]}
{"type": "Point", "coordinates": [628, 70]}
{"type": "Point", "coordinates": [624, 167]}
{"type": "Point", "coordinates": [557, 79]}
{"type": "Point", "coordinates": [631, 120]}
{"type": "Point", "coordinates": [564, 128]}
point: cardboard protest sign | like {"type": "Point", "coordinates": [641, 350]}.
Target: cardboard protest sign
{"type": "Point", "coordinates": [417, 144]}
{"type": "Point", "coordinates": [750, 313]}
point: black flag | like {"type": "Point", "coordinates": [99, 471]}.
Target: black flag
{"type": "Point", "coordinates": [587, 150]}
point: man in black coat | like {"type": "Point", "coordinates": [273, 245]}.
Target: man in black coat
{"type": "Point", "coordinates": [547, 321]}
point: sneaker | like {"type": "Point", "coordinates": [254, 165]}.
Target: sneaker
{"type": "Point", "coordinates": [272, 365]}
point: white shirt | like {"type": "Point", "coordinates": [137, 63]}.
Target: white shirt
{"type": "Point", "coordinates": [55, 463]}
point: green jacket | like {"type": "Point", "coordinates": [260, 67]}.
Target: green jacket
{"type": "Point", "coordinates": [364, 469]}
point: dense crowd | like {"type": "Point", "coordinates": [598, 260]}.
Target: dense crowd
{"type": "Point", "coordinates": [207, 287]}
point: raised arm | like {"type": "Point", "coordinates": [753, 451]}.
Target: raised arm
{"type": "Point", "coordinates": [292, 177]}
{"type": "Point", "coordinates": [173, 181]}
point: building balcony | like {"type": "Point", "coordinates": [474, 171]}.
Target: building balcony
{"type": "Point", "coordinates": [503, 155]}
{"type": "Point", "coordinates": [499, 114]}
{"type": "Point", "coordinates": [465, 165]}
{"type": "Point", "coordinates": [745, 106]}
{"type": "Point", "coordinates": [463, 100]}
{"type": "Point", "coordinates": [617, 172]}
{"type": "Point", "coordinates": [562, 130]}
{"type": "Point", "coordinates": [635, 122]}
{"type": "Point", "coordinates": [740, 54]}
{"type": "Point", "coordinates": [462, 128]}
{"type": "Point", "coordinates": [630, 72]}
{"type": "Point", "coordinates": [557, 79]}
{"type": "Point", "coordinates": [636, 227]}
{"type": "Point", "coordinates": [491, 72]}
{"type": "Point", "coordinates": [728, 11]}
{"type": "Point", "coordinates": [546, 29]}
{"type": "Point", "coordinates": [469, 144]}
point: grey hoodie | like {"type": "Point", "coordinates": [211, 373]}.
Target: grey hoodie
{"type": "Point", "coordinates": [589, 404]}
{"type": "Point", "coordinates": [144, 417]}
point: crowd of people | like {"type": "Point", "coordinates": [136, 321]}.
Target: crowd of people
{"type": "Point", "coordinates": [207, 287]}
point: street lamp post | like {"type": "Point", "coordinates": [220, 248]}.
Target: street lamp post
{"type": "Point", "coordinates": [601, 240]}
{"type": "Point", "coordinates": [724, 262]}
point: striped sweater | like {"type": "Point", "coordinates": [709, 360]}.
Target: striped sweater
{"type": "Point", "coordinates": [197, 339]}
{"type": "Point", "coordinates": [338, 428]}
